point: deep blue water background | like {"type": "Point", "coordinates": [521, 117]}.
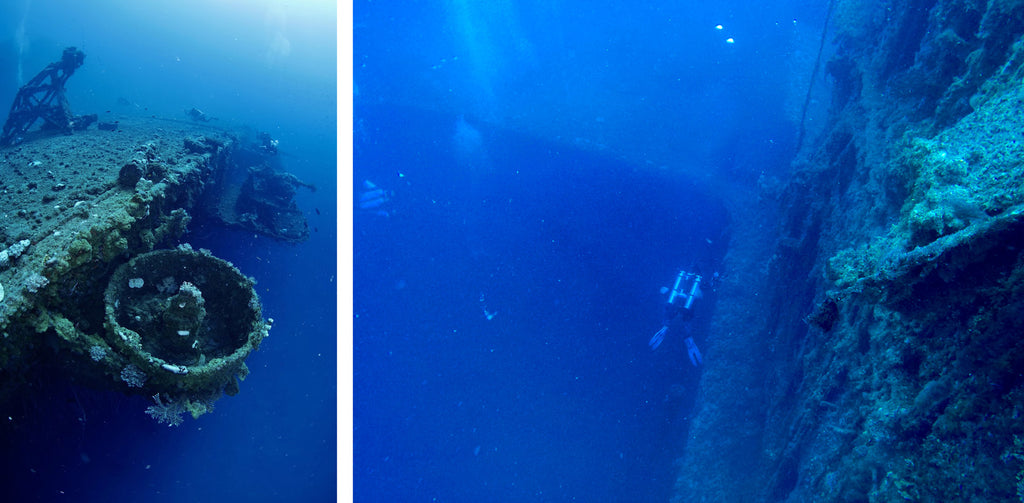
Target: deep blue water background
{"type": "Point", "coordinates": [266, 65]}
{"type": "Point", "coordinates": [556, 162]}
{"type": "Point", "coordinates": [559, 390]}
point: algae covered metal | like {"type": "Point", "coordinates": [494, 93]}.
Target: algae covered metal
{"type": "Point", "coordinates": [95, 286]}
{"type": "Point", "coordinates": [184, 322]}
{"type": "Point", "coordinates": [82, 216]}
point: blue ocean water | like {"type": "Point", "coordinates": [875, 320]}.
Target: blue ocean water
{"type": "Point", "coordinates": [558, 391]}
{"type": "Point", "coordinates": [539, 171]}
{"type": "Point", "coordinates": [267, 65]}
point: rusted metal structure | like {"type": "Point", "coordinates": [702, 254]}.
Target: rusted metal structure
{"type": "Point", "coordinates": [43, 99]}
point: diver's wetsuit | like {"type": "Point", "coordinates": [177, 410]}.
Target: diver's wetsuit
{"type": "Point", "coordinates": [678, 316]}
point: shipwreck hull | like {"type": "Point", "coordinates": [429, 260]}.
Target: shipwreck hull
{"type": "Point", "coordinates": [77, 208]}
{"type": "Point", "coordinates": [885, 361]}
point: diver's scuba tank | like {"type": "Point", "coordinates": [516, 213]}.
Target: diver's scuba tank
{"type": "Point", "coordinates": [677, 289]}
{"type": "Point", "coordinates": [693, 291]}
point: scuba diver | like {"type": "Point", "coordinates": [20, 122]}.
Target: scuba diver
{"type": "Point", "coordinates": [374, 199]}
{"type": "Point", "coordinates": [266, 143]}
{"type": "Point", "coordinates": [679, 309]}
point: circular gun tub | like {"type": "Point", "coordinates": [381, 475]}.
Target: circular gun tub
{"type": "Point", "coordinates": [186, 319]}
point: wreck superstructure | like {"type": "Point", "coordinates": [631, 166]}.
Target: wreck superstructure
{"type": "Point", "coordinates": [881, 361]}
